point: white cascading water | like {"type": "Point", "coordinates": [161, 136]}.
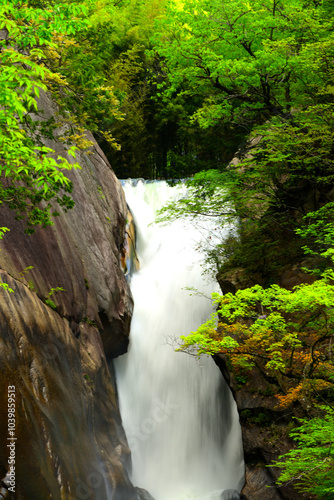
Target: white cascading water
{"type": "Point", "coordinates": [178, 413]}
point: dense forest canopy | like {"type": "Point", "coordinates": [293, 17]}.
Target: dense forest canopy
{"type": "Point", "coordinates": [177, 89]}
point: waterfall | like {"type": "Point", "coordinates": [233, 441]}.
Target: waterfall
{"type": "Point", "coordinates": [179, 416]}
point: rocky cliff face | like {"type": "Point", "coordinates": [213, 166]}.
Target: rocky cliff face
{"type": "Point", "coordinates": [265, 434]}
{"type": "Point", "coordinates": [70, 443]}
{"type": "Point", "coordinates": [265, 426]}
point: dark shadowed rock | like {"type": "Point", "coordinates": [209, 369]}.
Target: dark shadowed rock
{"type": "Point", "coordinates": [70, 442]}
{"type": "Point", "coordinates": [143, 494]}
{"type": "Point", "coordinates": [261, 485]}
{"type": "Point", "coordinates": [68, 429]}
{"type": "Point", "coordinates": [265, 425]}
{"type": "Point", "coordinates": [265, 435]}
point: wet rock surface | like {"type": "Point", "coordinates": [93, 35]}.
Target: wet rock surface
{"type": "Point", "coordinates": [265, 425]}
{"type": "Point", "coordinates": [265, 434]}
{"type": "Point", "coordinates": [143, 494]}
{"type": "Point", "coordinates": [70, 442]}
{"type": "Point", "coordinates": [80, 253]}
{"type": "Point", "coordinates": [69, 436]}
{"type": "Point", "coordinates": [231, 495]}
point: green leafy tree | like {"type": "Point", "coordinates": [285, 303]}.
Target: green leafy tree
{"type": "Point", "coordinates": [155, 136]}
{"type": "Point", "coordinates": [39, 53]}
{"type": "Point", "coordinates": [287, 335]}
{"type": "Point", "coordinates": [31, 173]}
{"type": "Point", "coordinates": [319, 231]}
{"type": "Point", "coordinates": [310, 465]}
{"type": "Point", "coordinates": [247, 59]}
{"type": "Point", "coordinates": [266, 67]}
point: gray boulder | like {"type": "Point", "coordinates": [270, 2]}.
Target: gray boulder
{"type": "Point", "coordinates": [230, 495]}
{"type": "Point", "coordinates": [143, 494]}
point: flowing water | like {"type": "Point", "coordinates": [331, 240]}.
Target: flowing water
{"type": "Point", "coordinates": [178, 414]}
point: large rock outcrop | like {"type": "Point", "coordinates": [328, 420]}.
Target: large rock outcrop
{"type": "Point", "coordinates": [265, 434]}
{"type": "Point", "coordinates": [265, 425]}
{"type": "Point", "coordinates": [70, 443]}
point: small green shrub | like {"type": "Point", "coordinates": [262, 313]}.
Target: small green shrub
{"type": "Point", "coordinates": [49, 301]}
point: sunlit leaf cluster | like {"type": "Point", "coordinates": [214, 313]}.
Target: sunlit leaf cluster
{"type": "Point", "coordinates": [311, 464]}
{"type": "Point", "coordinates": [31, 172]}
{"type": "Point", "coordinates": [285, 334]}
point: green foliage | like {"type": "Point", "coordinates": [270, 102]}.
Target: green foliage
{"type": "Point", "coordinates": [89, 380]}
{"type": "Point", "coordinates": [155, 137]}
{"type": "Point", "coordinates": [26, 270]}
{"type": "Point", "coordinates": [265, 67]}
{"type": "Point", "coordinates": [194, 78]}
{"type": "Point", "coordinates": [320, 233]}
{"type": "Point", "coordinates": [48, 299]}
{"type": "Point", "coordinates": [3, 230]}
{"type": "Point", "coordinates": [89, 322]}
{"type": "Point", "coordinates": [32, 286]}
{"type": "Point", "coordinates": [6, 287]}
{"type": "Point", "coordinates": [171, 88]}
{"type": "Point", "coordinates": [287, 335]}
{"type": "Point", "coordinates": [41, 52]}
{"type": "Point", "coordinates": [31, 172]}
{"type": "Point", "coordinates": [310, 465]}
{"type": "Point", "coordinates": [247, 60]}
